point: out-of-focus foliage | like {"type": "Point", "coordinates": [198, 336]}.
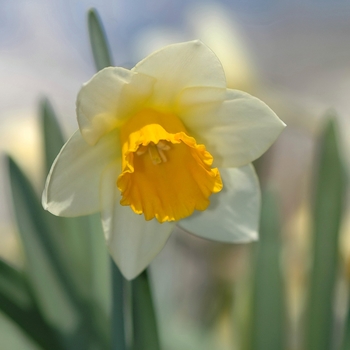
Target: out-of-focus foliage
{"type": "Point", "coordinates": [63, 299]}
{"type": "Point", "coordinates": [67, 263]}
{"type": "Point", "coordinates": [99, 44]}
{"type": "Point", "coordinates": [144, 330]}
{"type": "Point", "coordinates": [71, 296]}
{"type": "Point", "coordinates": [145, 326]}
{"type": "Point", "coordinates": [268, 316]}
{"type": "Point", "coordinates": [328, 206]}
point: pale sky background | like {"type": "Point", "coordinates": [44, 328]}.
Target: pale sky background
{"type": "Point", "coordinates": [44, 47]}
{"type": "Point", "coordinates": [298, 50]}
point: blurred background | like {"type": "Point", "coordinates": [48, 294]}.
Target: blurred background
{"type": "Point", "coordinates": [295, 56]}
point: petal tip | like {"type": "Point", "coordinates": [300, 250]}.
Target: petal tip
{"type": "Point", "coordinates": [129, 272]}
{"type": "Point", "coordinates": [44, 200]}
{"type": "Point", "coordinates": [254, 237]}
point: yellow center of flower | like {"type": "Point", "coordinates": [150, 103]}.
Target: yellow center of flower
{"type": "Point", "coordinates": [165, 173]}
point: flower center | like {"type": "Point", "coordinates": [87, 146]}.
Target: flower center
{"type": "Point", "coordinates": [156, 152]}
{"type": "Point", "coordinates": [165, 173]}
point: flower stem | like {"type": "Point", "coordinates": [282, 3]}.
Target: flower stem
{"type": "Point", "coordinates": [145, 332]}
{"type": "Point", "coordinates": [118, 326]}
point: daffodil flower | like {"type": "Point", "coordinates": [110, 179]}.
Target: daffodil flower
{"type": "Point", "coordinates": [163, 144]}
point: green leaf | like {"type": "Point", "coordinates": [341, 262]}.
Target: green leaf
{"type": "Point", "coordinates": [52, 134]}
{"type": "Point", "coordinates": [327, 215]}
{"type": "Point", "coordinates": [17, 302]}
{"type": "Point", "coordinates": [80, 244]}
{"type": "Point", "coordinates": [12, 336]}
{"type": "Point", "coordinates": [102, 59]}
{"type": "Point", "coordinates": [346, 338]}
{"type": "Point", "coordinates": [98, 285]}
{"type": "Point", "coordinates": [14, 286]}
{"type": "Point", "coordinates": [44, 266]}
{"type": "Point", "coordinates": [268, 299]}
{"type": "Point", "coordinates": [55, 293]}
{"type": "Point", "coordinates": [99, 45]}
{"type": "Point", "coordinates": [66, 235]}
{"type": "Point", "coordinates": [118, 309]}
{"type": "Point", "coordinates": [145, 330]}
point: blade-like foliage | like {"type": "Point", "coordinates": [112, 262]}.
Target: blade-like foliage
{"type": "Point", "coordinates": [144, 319]}
{"type": "Point", "coordinates": [268, 300]}
{"type": "Point", "coordinates": [49, 280]}
{"type": "Point", "coordinates": [52, 134]}
{"type": "Point", "coordinates": [102, 58]}
{"type": "Point", "coordinates": [79, 241]}
{"type": "Point", "coordinates": [118, 309]}
{"type": "Point", "coordinates": [17, 302]}
{"type": "Point", "coordinates": [327, 215]}
{"type": "Point", "coordinates": [346, 339]}
{"type": "Point", "coordinates": [99, 45]}
{"type": "Point", "coordinates": [51, 285]}
{"type": "Point", "coordinates": [54, 290]}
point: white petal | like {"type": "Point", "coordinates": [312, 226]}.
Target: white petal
{"type": "Point", "coordinates": [199, 96]}
{"type": "Point", "coordinates": [132, 241]}
{"type": "Point", "coordinates": [233, 214]}
{"type": "Point", "coordinates": [237, 132]}
{"type": "Point", "coordinates": [180, 66]}
{"type": "Point", "coordinates": [72, 186]}
{"type": "Point", "coordinates": [108, 98]}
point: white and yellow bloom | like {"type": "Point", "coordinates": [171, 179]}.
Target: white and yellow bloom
{"type": "Point", "coordinates": [168, 140]}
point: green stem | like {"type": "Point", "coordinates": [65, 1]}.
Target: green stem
{"type": "Point", "coordinates": [118, 326]}
{"type": "Point", "coordinates": [144, 319]}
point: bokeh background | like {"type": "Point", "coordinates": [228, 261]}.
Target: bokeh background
{"type": "Point", "coordinates": [293, 55]}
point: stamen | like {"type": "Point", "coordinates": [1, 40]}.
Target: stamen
{"type": "Point", "coordinates": [163, 145]}
{"type": "Point", "coordinates": [154, 154]}
{"type": "Point", "coordinates": [162, 155]}
{"type": "Point", "coordinates": [141, 150]}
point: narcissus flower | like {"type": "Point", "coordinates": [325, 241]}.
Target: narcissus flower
{"type": "Point", "coordinates": [163, 144]}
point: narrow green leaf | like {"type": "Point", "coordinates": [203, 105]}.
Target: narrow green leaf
{"type": "Point", "coordinates": [99, 283]}
{"type": "Point", "coordinates": [102, 58]}
{"type": "Point", "coordinates": [328, 208]}
{"type": "Point", "coordinates": [12, 336]}
{"type": "Point", "coordinates": [145, 330]}
{"type": "Point", "coordinates": [63, 233]}
{"type": "Point", "coordinates": [16, 301]}
{"type": "Point", "coordinates": [268, 300]}
{"type": "Point", "coordinates": [80, 245]}
{"type": "Point", "coordinates": [14, 286]}
{"type": "Point", "coordinates": [118, 309]}
{"type": "Point", "coordinates": [57, 296]}
{"type": "Point", "coordinates": [346, 338]}
{"type": "Point", "coordinates": [52, 134]}
{"type": "Point", "coordinates": [54, 291]}
{"type": "Point", "coordinates": [99, 45]}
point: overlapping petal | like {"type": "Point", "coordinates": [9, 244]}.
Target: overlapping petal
{"type": "Point", "coordinates": [132, 241]}
{"type": "Point", "coordinates": [187, 81]}
{"type": "Point", "coordinates": [233, 214]}
{"type": "Point", "coordinates": [108, 98]}
{"type": "Point", "coordinates": [179, 66]}
{"type": "Point", "coordinates": [236, 131]}
{"type": "Point", "coordinates": [72, 187]}
{"type": "Point", "coordinates": [199, 100]}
